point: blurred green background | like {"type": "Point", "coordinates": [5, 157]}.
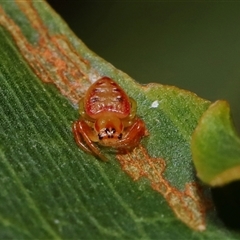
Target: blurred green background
{"type": "Point", "coordinates": [192, 45]}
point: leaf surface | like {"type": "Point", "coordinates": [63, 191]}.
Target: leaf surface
{"type": "Point", "coordinates": [50, 188]}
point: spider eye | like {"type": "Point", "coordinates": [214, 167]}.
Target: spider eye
{"type": "Point", "coordinates": [100, 137]}
{"type": "Point", "coordinates": [110, 132]}
{"type": "Point", "coordinates": [120, 136]}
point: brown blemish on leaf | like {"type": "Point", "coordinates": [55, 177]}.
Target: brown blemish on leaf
{"type": "Point", "coordinates": [189, 206]}
{"type": "Point", "coordinates": [54, 60]}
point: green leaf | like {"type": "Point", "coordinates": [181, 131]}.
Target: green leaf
{"type": "Point", "coordinates": [216, 146]}
{"type": "Point", "coordinates": [50, 189]}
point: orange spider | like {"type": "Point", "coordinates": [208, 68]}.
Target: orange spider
{"type": "Point", "coordinates": [108, 117]}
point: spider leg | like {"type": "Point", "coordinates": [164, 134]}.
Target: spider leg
{"type": "Point", "coordinates": [84, 137]}
{"type": "Point", "coordinates": [78, 138]}
{"type": "Point", "coordinates": [133, 135]}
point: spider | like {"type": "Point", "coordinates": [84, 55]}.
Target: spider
{"type": "Point", "coordinates": [108, 118]}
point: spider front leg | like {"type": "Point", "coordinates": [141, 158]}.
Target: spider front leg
{"type": "Point", "coordinates": [84, 137]}
{"type": "Point", "coordinates": [133, 136]}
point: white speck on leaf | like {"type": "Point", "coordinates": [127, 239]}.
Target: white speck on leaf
{"type": "Point", "coordinates": [154, 104]}
{"type": "Point", "coordinates": [56, 221]}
